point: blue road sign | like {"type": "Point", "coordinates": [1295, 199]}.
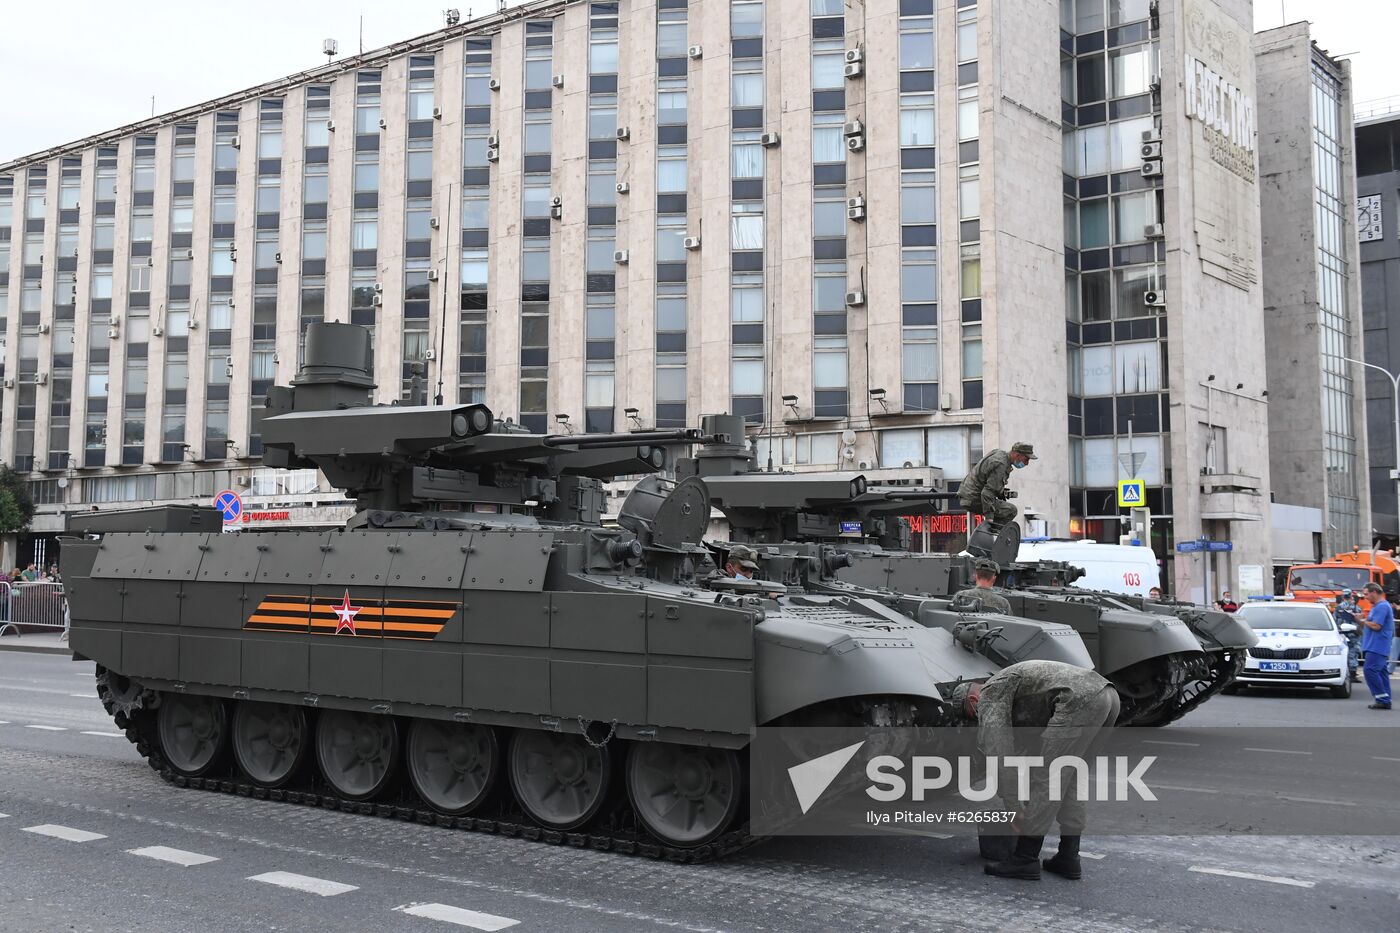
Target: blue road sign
{"type": "Point", "coordinates": [851, 528]}
{"type": "Point", "coordinates": [230, 504]}
{"type": "Point", "coordinates": [1201, 544]}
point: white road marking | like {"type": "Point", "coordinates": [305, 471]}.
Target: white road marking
{"type": "Point", "coordinates": [1251, 876]}
{"type": "Point", "coordinates": [46, 728]}
{"type": "Point", "coordinates": [1162, 742]}
{"type": "Point", "coordinates": [320, 886]}
{"type": "Point", "coordinates": [64, 832]}
{"type": "Point", "coordinates": [1330, 803]}
{"type": "Point", "coordinates": [463, 918]}
{"type": "Point", "coordinates": [4, 816]}
{"type": "Point", "coordinates": [1376, 757]}
{"type": "Point", "coordinates": [110, 735]}
{"type": "Point", "coordinates": [4, 722]}
{"type": "Point", "coordinates": [174, 856]}
{"type": "Point", "coordinates": [1194, 790]}
{"type": "Point", "coordinates": [1277, 751]}
{"type": "Point", "coordinates": [1096, 857]}
{"type": "Point", "coordinates": [83, 696]}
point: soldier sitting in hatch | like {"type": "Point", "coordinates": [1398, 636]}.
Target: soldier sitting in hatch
{"type": "Point", "coordinates": [983, 596]}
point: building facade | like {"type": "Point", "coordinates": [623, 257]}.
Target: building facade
{"type": "Point", "coordinates": [1312, 290]}
{"type": "Point", "coordinates": [888, 234]}
{"type": "Point", "coordinates": [1378, 229]}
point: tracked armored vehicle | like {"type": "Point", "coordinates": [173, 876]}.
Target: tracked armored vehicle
{"type": "Point", "coordinates": [474, 649]}
{"type": "Point", "coordinates": [1165, 659]}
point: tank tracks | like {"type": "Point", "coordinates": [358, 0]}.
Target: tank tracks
{"type": "Point", "coordinates": [140, 729]}
{"type": "Point", "coordinates": [1222, 673]}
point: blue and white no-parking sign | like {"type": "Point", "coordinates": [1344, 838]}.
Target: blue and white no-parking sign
{"type": "Point", "coordinates": [230, 504]}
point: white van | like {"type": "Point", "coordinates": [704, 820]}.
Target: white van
{"type": "Point", "coordinates": [1115, 568]}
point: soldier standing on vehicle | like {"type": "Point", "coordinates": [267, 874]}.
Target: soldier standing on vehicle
{"type": "Point", "coordinates": [983, 596]}
{"type": "Point", "coordinates": [1073, 706]}
{"type": "Point", "coordinates": [983, 491]}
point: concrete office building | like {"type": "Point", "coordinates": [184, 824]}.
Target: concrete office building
{"type": "Point", "coordinates": [1378, 229]}
{"type": "Point", "coordinates": [1312, 297]}
{"type": "Point", "coordinates": [887, 233]}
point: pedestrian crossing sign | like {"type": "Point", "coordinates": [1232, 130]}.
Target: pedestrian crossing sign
{"type": "Point", "coordinates": [1132, 493]}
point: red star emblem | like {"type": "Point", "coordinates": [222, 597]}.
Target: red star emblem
{"type": "Point", "coordinates": [345, 615]}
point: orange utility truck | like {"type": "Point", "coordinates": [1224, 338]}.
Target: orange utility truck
{"type": "Point", "coordinates": [1324, 582]}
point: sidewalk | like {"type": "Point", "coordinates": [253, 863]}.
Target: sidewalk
{"type": "Point", "coordinates": [45, 642]}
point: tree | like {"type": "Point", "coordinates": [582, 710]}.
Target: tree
{"type": "Point", "coordinates": [16, 505]}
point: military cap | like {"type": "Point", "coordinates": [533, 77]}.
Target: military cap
{"type": "Point", "coordinates": [744, 556]}
{"type": "Point", "coordinates": [1025, 450]}
{"type": "Point", "coordinates": [986, 565]}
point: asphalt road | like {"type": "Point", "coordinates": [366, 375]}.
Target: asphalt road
{"type": "Point", "coordinates": [88, 830]}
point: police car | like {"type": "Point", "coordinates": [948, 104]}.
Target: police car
{"type": "Point", "coordinates": [1299, 646]}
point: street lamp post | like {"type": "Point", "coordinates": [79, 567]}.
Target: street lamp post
{"type": "Point", "coordinates": [1395, 396]}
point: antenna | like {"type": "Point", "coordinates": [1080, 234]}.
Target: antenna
{"type": "Point", "coordinates": [362, 33]}
{"type": "Point", "coordinates": [442, 287]}
{"type": "Point", "coordinates": [153, 105]}
{"type": "Point", "coordinates": [329, 48]}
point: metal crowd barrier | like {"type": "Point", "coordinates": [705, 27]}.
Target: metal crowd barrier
{"type": "Point", "coordinates": [29, 607]}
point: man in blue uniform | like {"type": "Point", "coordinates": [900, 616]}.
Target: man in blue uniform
{"type": "Point", "coordinates": [1379, 628]}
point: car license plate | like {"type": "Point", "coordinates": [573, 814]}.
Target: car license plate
{"type": "Point", "coordinates": [1283, 666]}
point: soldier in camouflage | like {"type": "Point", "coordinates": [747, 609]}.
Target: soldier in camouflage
{"type": "Point", "coordinates": [1072, 706]}
{"type": "Point", "coordinates": [984, 491]}
{"type": "Point", "coordinates": [983, 597]}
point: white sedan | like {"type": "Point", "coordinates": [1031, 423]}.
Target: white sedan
{"type": "Point", "coordinates": [1299, 646]}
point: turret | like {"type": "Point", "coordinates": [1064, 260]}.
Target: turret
{"type": "Point", "coordinates": [401, 461]}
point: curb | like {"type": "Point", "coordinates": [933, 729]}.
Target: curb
{"type": "Point", "coordinates": [11, 643]}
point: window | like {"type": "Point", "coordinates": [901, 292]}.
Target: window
{"type": "Point", "coordinates": [967, 35]}
{"type": "Point", "coordinates": [745, 373]}
{"type": "Point", "coordinates": [672, 103]}
{"type": "Point", "coordinates": [828, 143]}
{"type": "Point", "coordinates": [1125, 143]}
{"type": "Point", "coordinates": [602, 57]}
{"type": "Point", "coordinates": [969, 192]}
{"type": "Point", "coordinates": [746, 156]}
{"type": "Point", "coordinates": [420, 164]}
{"type": "Point", "coordinates": [828, 70]}
{"type": "Point", "coordinates": [918, 276]}
{"type": "Point", "coordinates": [967, 112]}
{"type": "Point", "coordinates": [829, 218]}
{"type": "Point", "coordinates": [915, 49]}
{"type": "Point", "coordinates": [317, 189]}
{"type": "Point", "coordinates": [829, 362]}
{"type": "Point", "coordinates": [366, 233]}
{"type": "Point", "coordinates": [746, 90]}
{"type": "Point", "coordinates": [671, 315]}
{"type": "Point", "coordinates": [746, 20]}
{"type": "Point", "coordinates": [900, 447]}
{"type": "Point", "coordinates": [1129, 71]}
{"type": "Point", "coordinates": [367, 118]}
{"type": "Point", "coordinates": [1131, 215]}
{"type": "Point", "coordinates": [367, 176]}
{"type": "Point", "coordinates": [270, 145]}
{"type": "Point", "coordinates": [670, 40]}
{"type": "Point", "coordinates": [420, 103]}
{"type": "Point", "coordinates": [972, 351]}
{"type": "Point", "coordinates": [143, 227]}
{"type": "Point", "coordinates": [221, 259]}
{"type": "Point", "coordinates": [1138, 367]}
{"type": "Point", "coordinates": [1093, 224]}
{"type": "Point", "coordinates": [670, 172]}
{"type": "Point", "coordinates": [746, 227]}
{"type": "Point", "coordinates": [745, 306]}
{"type": "Point", "coordinates": [318, 133]}
{"type": "Point", "coordinates": [920, 362]}
{"type": "Point", "coordinates": [269, 197]}
{"type": "Point", "coordinates": [916, 123]}
{"type": "Point", "coordinates": [917, 201]}
{"type": "Point", "coordinates": [140, 276]}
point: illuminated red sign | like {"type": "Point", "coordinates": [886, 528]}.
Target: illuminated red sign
{"type": "Point", "coordinates": [267, 516]}
{"type": "Point", "coordinates": [955, 523]}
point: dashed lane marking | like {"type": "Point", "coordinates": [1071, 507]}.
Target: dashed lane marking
{"type": "Point", "coordinates": [83, 696]}
{"type": "Point", "coordinates": [305, 883]}
{"type": "Point", "coordinates": [1164, 742]}
{"type": "Point", "coordinates": [173, 856]}
{"type": "Point", "coordinates": [46, 728]}
{"type": "Point", "coordinates": [1277, 751]}
{"type": "Point", "coordinates": [1376, 757]}
{"type": "Point", "coordinates": [4, 816]}
{"type": "Point", "coordinates": [63, 832]}
{"type": "Point", "coordinates": [1251, 876]}
{"type": "Point", "coordinates": [458, 915]}
{"type": "Point", "coordinates": [109, 735]}
{"type": "Point", "coordinates": [1330, 803]}
{"type": "Point", "coordinates": [1194, 790]}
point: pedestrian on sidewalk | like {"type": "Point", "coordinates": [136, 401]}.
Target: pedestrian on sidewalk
{"type": "Point", "coordinates": [1375, 646]}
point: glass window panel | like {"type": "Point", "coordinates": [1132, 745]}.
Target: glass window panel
{"type": "Point", "coordinates": [1137, 367]}
{"type": "Point", "coordinates": [270, 145]}
{"type": "Point", "coordinates": [828, 70]}
{"type": "Point", "coordinates": [972, 278]}
{"type": "Point", "coordinates": [225, 159]}
{"type": "Point", "coordinates": [268, 200]}
{"type": "Point", "coordinates": [538, 74]}
{"type": "Point", "coordinates": [746, 377]}
{"type": "Point", "coordinates": [1129, 71]}
{"type": "Point", "coordinates": [967, 42]}
{"type": "Point", "coordinates": [1096, 304]}
{"type": "Point", "coordinates": [746, 90]}
{"type": "Point", "coordinates": [420, 164]}
{"type": "Point", "coordinates": [535, 265]}
{"type": "Point", "coordinates": [602, 122]}
{"type": "Point", "coordinates": [1126, 11]}
{"type": "Point", "coordinates": [829, 369]}
{"type": "Point", "coordinates": [313, 244]}
{"type": "Point", "coordinates": [948, 450]}
{"type": "Point", "coordinates": [671, 175]}
{"type": "Point", "coordinates": [418, 225]}
{"type": "Point", "coordinates": [476, 213]}
{"type": "Point", "coordinates": [1131, 215]}
{"type": "Point", "coordinates": [916, 50]}
{"type": "Point", "coordinates": [598, 391]}
{"type": "Point", "coordinates": [143, 227]}
{"type": "Point", "coordinates": [972, 358]}
{"type": "Point", "coordinates": [474, 272]}
{"type": "Point", "coordinates": [670, 384]}
{"type": "Point", "coordinates": [670, 40]}
{"type": "Point", "coordinates": [969, 197]}
{"type": "Point", "coordinates": [1100, 461]}
{"type": "Point", "coordinates": [366, 234]}
{"type": "Point", "coordinates": [916, 127]}
{"type": "Point", "coordinates": [828, 144]}
{"type": "Point", "coordinates": [181, 169]}
{"type": "Point", "coordinates": [1125, 143]}
{"type": "Point", "coordinates": [670, 244]}
{"type": "Point", "coordinates": [747, 160]}
{"type": "Point", "coordinates": [829, 218]}
{"type": "Point", "coordinates": [1093, 224]}
{"type": "Point", "coordinates": [1096, 368]}
{"type": "Point", "coordinates": [967, 119]}
{"type": "Point", "coordinates": [420, 105]}
{"type": "Point", "coordinates": [537, 137]}
{"type": "Point", "coordinates": [829, 293]}
{"type": "Point", "coordinates": [745, 20]}
{"type": "Point", "coordinates": [1091, 150]}
{"type": "Point", "coordinates": [221, 261]}
{"type": "Point", "coordinates": [367, 119]}
{"type": "Point", "coordinates": [746, 231]}
{"type": "Point", "coordinates": [920, 362]}
{"type": "Point", "coordinates": [600, 323]}
{"type": "Point", "coordinates": [919, 282]}
{"type": "Point", "coordinates": [746, 305]}
{"type": "Point", "coordinates": [670, 314]}
{"type": "Point", "coordinates": [602, 58]}
{"type": "Point", "coordinates": [367, 176]}
{"type": "Point", "coordinates": [318, 133]}
{"type": "Point", "coordinates": [671, 107]}
{"type": "Point", "coordinates": [600, 255]}
{"type": "Point", "coordinates": [181, 219]}
{"type": "Point", "coordinates": [900, 447]}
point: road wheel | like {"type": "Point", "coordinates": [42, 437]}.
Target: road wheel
{"type": "Point", "coordinates": [1343, 692]}
{"type": "Point", "coordinates": [560, 780]}
{"type": "Point", "coordinates": [358, 753]}
{"type": "Point", "coordinates": [270, 741]}
{"type": "Point", "coordinates": [453, 766]}
{"type": "Point", "coordinates": [193, 733]}
{"type": "Point", "coordinates": [684, 795]}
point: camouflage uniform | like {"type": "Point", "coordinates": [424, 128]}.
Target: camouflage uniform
{"type": "Point", "coordinates": [981, 489]}
{"type": "Point", "coordinates": [981, 599]}
{"type": "Point", "coordinates": [1071, 704]}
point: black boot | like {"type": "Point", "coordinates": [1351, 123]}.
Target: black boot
{"type": "Point", "coordinates": [1066, 861]}
{"type": "Point", "coordinates": [1024, 862]}
{"type": "Point", "coordinates": [995, 848]}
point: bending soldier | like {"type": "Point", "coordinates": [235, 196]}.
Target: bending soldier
{"type": "Point", "coordinates": [1073, 706]}
{"type": "Point", "coordinates": [984, 491]}
{"type": "Point", "coordinates": [983, 596]}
